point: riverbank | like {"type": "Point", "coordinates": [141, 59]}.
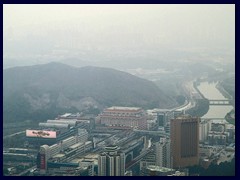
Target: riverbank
{"type": "Point", "coordinates": [225, 93]}
{"type": "Point", "coordinates": [230, 117]}
{"type": "Point", "coordinates": [201, 105]}
{"type": "Point", "coordinates": [200, 109]}
{"type": "Point", "coordinates": [212, 92]}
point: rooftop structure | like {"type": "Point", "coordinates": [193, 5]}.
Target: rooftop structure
{"type": "Point", "coordinates": [160, 169]}
{"type": "Point", "coordinates": [63, 121]}
{"type": "Point", "coordinates": [119, 108]}
{"type": "Point", "coordinates": [111, 148]}
{"type": "Point", "coordinates": [54, 125]}
{"type": "Point", "coordinates": [152, 170]}
{"type": "Point", "coordinates": [66, 115]}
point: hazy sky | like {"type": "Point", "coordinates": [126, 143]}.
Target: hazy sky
{"type": "Point", "coordinates": [46, 32]}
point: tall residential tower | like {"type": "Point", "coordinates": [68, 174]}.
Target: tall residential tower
{"type": "Point", "coordinates": [163, 157]}
{"type": "Point", "coordinates": [111, 162]}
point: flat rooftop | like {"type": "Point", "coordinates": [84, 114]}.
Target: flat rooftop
{"type": "Point", "coordinates": [66, 115]}
{"type": "Point", "coordinates": [92, 155]}
{"type": "Point", "coordinates": [76, 145]}
{"type": "Point", "coordinates": [159, 169]}
{"type": "Point", "coordinates": [161, 110]}
{"type": "Point", "coordinates": [124, 108]}
{"type": "Point", "coordinates": [59, 155]}
{"type": "Point", "coordinates": [89, 157]}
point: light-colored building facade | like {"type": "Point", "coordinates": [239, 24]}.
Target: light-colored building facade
{"type": "Point", "coordinates": [65, 150]}
{"type": "Point", "coordinates": [124, 118]}
{"type": "Point", "coordinates": [204, 128]}
{"type": "Point", "coordinates": [82, 135]}
{"type": "Point", "coordinates": [111, 162]}
{"type": "Point", "coordinates": [163, 155]}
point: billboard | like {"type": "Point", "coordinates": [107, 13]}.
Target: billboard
{"type": "Point", "coordinates": [41, 133]}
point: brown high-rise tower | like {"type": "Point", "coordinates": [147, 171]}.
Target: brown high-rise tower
{"type": "Point", "coordinates": [185, 141]}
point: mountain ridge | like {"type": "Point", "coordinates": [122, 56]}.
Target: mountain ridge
{"type": "Point", "coordinates": [56, 88]}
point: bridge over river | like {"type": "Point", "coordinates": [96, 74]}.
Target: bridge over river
{"type": "Point", "coordinates": [219, 102]}
{"type": "Point", "coordinates": [219, 105]}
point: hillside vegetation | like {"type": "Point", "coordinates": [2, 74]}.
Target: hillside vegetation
{"type": "Point", "coordinates": [44, 91]}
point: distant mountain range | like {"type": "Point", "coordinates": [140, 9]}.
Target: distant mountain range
{"type": "Point", "coordinates": [43, 91]}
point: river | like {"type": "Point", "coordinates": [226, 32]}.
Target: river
{"type": "Point", "coordinates": [210, 91]}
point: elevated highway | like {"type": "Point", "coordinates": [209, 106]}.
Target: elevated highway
{"type": "Point", "coordinates": [156, 133]}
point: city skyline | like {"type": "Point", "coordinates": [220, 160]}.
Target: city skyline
{"type": "Point", "coordinates": [119, 90]}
